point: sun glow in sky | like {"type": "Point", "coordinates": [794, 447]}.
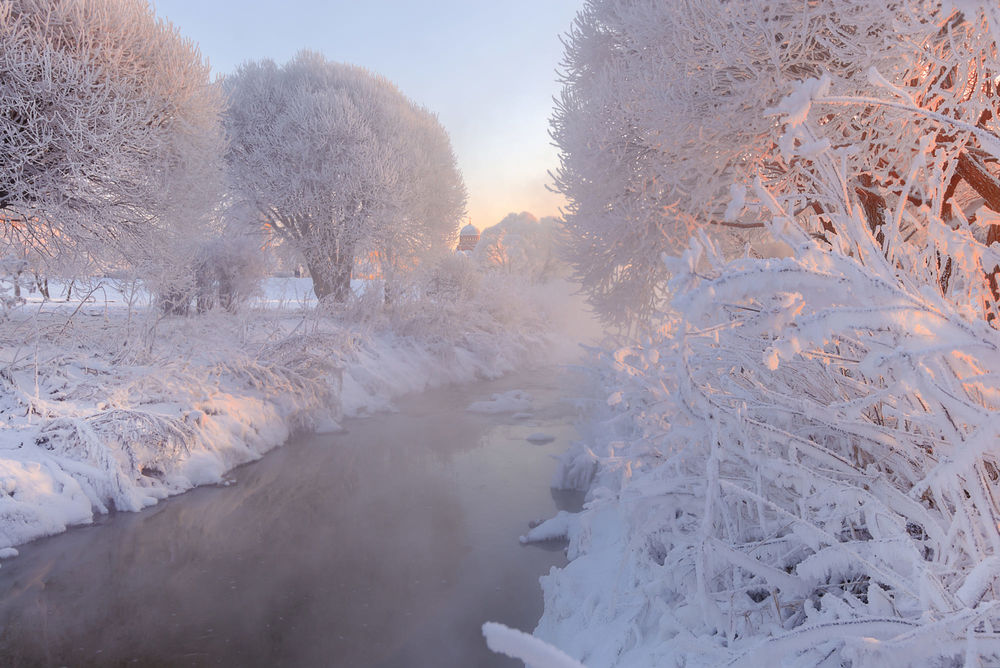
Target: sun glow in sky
{"type": "Point", "coordinates": [488, 69]}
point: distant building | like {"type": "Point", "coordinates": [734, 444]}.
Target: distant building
{"type": "Point", "coordinates": [468, 238]}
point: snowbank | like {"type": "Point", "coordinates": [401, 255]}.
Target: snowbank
{"type": "Point", "coordinates": [104, 411]}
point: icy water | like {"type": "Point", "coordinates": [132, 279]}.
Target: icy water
{"type": "Point", "coordinates": [386, 546]}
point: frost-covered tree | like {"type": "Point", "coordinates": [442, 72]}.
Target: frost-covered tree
{"type": "Point", "coordinates": [521, 245]}
{"type": "Point", "coordinates": [657, 121]}
{"type": "Point", "coordinates": [109, 125]}
{"type": "Point", "coordinates": [339, 163]}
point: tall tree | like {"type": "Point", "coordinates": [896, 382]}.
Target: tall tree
{"type": "Point", "coordinates": [338, 162]}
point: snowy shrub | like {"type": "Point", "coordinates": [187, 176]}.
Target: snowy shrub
{"type": "Point", "coordinates": [175, 295]}
{"type": "Point", "coordinates": [809, 453]}
{"type": "Point", "coordinates": [799, 465]}
{"type": "Point", "coordinates": [207, 267]}
{"type": "Point", "coordinates": [122, 435]}
{"type": "Point", "coordinates": [116, 449]}
{"type": "Point", "coordinates": [453, 305]}
{"type": "Point", "coordinates": [229, 271]}
{"type": "Point", "coordinates": [452, 278]}
{"type": "Point", "coordinates": [11, 269]}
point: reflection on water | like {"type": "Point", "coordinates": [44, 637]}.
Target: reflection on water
{"type": "Point", "coordinates": [388, 545]}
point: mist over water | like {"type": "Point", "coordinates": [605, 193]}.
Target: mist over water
{"type": "Point", "coordinates": [388, 545]}
{"type": "Point", "coordinates": [571, 318]}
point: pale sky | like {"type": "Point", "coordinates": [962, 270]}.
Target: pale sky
{"type": "Point", "coordinates": [488, 69]}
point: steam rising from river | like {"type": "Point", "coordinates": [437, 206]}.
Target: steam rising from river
{"type": "Point", "coordinates": [386, 545]}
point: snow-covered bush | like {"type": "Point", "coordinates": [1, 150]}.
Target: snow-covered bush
{"type": "Point", "coordinates": [229, 270]}
{"type": "Point", "coordinates": [216, 265]}
{"type": "Point", "coordinates": [453, 278]}
{"type": "Point", "coordinates": [171, 277]}
{"type": "Point", "coordinates": [452, 305]}
{"type": "Point", "coordinates": [799, 465]}
{"type": "Point", "coordinates": [802, 460]}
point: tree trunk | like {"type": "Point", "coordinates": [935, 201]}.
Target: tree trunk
{"type": "Point", "coordinates": [176, 301]}
{"type": "Point", "coordinates": [43, 286]}
{"type": "Point", "coordinates": [342, 280]}
{"type": "Point", "coordinates": [388, 277]}
{"type": "Point", "coordinates": [331, 277]}
{"type": "Point", "coordinates": [228, 298]}
{"type": "Point", "coordinates": [204, 287]}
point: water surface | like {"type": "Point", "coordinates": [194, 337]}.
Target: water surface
{"type": "Point", "coordinates": [388, 545]}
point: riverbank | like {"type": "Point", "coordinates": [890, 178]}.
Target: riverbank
{"type": "Point", "coordinates": [111, 408]}
{"type": "Point", "coordinates": [387, 544]}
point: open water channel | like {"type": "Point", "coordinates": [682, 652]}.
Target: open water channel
{"type": "Point", "coordinates": [386, 545]}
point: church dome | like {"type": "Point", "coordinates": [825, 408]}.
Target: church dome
{"type": "Point", "coordinates": [468, 238]}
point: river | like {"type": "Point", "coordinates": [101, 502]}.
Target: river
{"type": "Point", "coordinates": [386, 545]}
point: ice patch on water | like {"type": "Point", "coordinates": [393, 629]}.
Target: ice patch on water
{"type": "Point", "coordinates": [514, 401]}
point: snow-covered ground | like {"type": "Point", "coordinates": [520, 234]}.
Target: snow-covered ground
{"type": "Point", "coordinates": [107, 407]}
